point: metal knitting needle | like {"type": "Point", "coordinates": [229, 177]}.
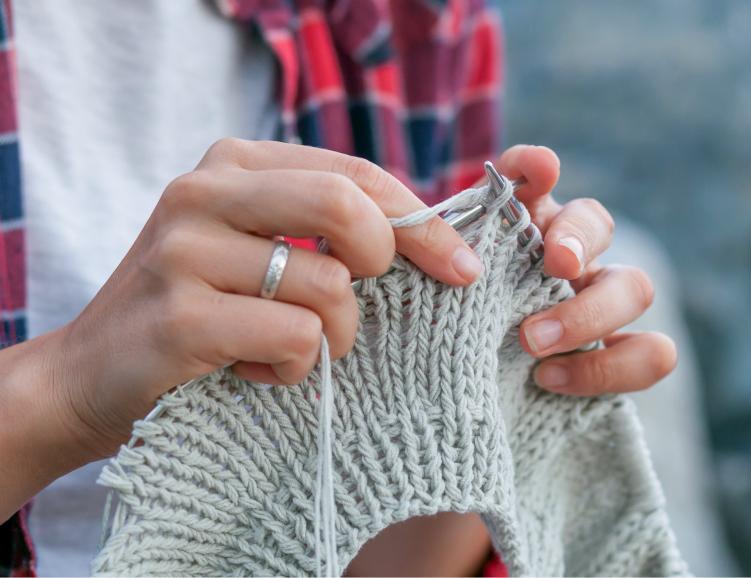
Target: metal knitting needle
{"type": "Point", "coordinates": [511, 210]}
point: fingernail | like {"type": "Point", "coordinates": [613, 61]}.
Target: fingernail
{"type": "Point", "coordinates": [552, 376]}
{"type": "Point", "coordinates": [467, 263]}
{"type": "Point", "coordinates": [575, 246]}
{"type": "Point", "coordinates": [543, 334]}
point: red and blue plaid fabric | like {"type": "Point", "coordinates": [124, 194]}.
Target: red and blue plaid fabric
{"type": "Point", "coordinates": [12, 269]}
{"type": "Point", "coordinates": [16, 555]}
{"type": "Point", "coordinates": [412, 85]}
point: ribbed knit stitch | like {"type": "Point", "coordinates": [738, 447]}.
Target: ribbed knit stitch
{"type": "Point", "coordinates": [434, 411]}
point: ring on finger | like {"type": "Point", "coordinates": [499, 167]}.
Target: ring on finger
{"type": "Point", "coordinates": [275, 270]}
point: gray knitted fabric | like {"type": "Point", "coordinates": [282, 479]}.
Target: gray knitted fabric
{"type": "Point", "coordinates": [434, 411]}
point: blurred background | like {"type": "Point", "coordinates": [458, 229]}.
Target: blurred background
{"type": "Point", "coordinates": [648, 104]}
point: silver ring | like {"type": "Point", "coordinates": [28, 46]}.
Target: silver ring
{"type": "Point", "coordinates": [274, 273]}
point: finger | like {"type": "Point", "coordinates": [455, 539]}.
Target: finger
{"type": "Point", "coordinates": [236, 263]}
{"type": "Point", "coordinates": [617, 296]}
{"type": "Point", "coordinates": [580, 232]}
{"type": "Point", "coordinates": [591, 274]}
{"type": "Point", "coordinates": [257, 372]}
{"type": "Point", "coordinates": [435, 246]}
{"type": "Point", "coordinates": [216, 329]}
{"type": "Point", "coordinates": [631, 362]}
{"type": "Point", "coordinates": [540, 167]}
{"type": "Point", "coordinates": [298, 203]}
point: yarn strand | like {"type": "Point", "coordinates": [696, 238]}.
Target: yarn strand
{"type": "Point", "coordinates": [325, 506]}
{"type": "Point", "coordinates": [464, 200]}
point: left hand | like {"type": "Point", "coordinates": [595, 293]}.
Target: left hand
{"type": "Point", "coordinates": [608, 297]}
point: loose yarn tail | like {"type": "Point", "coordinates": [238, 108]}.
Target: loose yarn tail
{"type": "Point", "coordinates": [325, 506]}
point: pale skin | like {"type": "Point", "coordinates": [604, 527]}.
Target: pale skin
{"type": "Point", "coordinates": [184, 301]}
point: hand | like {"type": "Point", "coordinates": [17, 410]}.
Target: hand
{"type": "Point", "coordinates": [607, 297]}
{"type": "Point", "coordinates": [184, 300]}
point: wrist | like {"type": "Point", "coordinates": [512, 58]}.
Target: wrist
{"type": "Point", "coordinates": [45, 410]}
{"type": "Point", "coordinates": [37, 442]}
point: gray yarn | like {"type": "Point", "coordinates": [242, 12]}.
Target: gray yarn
{"type": "Point", "coordinates": [325, 504]}
{"type": "Point", "coordinates": [465, 199]}
{"type": "Point", "coordinates": [433, 410]}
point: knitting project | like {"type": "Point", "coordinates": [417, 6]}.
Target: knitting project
{"type": "Point", "coordinates": [432, 411]}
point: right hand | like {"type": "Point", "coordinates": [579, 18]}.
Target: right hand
{"type": "Point", "coordinates": [184, 300]}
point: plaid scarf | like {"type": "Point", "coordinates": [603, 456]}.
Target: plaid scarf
{"type": "Point", "coordinates": [412, 85]}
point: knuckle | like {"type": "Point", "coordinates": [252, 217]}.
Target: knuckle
{"type": "Point", "coordinates": [184, 191]}
{"type": "Point", "coordinates": [430, 233]}
{"type": "Point", "coordinates": [294, 371]}
{"type": "Point", "coordinates": [304, 331]}
{"type": "Point", "coordinates": [383, 187]}
{"type": "Point", "coordinates": [363, 171]}
{"type": "Point", "coordinates": [599, 374]}
{"type": "Point", "coordinates": [591, 204]}
{"type": "Point", "coordinates": [340, 202]}
{"type": "Point", "coordinates": [380, 185]}
{"type": "Point", "coordinates": [174, 249]}
{"type": "Point", "coordinates": [388, 191]}
{"type": "Point", "coordinates": [642, 286]}
{"type": "Point", "coordinates": [383, 258]}
{"type": "Point", "coordinates": [582, 319]}
{"type": "Point", "coordinates": [596, 207]}
{"type": "Point", "coordinates": [344, 344]}
{"type": "Point", "coordinates": [331, 280]}
{"type": "Point", "coordinates": [228, 148]}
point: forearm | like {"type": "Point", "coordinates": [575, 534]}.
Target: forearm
{"type": "Point", "coordinates": [36, 444]}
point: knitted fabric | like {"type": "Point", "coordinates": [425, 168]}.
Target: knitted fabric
{"type": "Point", "coordinates": [433, 411]}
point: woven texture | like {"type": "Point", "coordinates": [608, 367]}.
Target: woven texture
{"type": "Point", "coordinates": [434, 411]}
